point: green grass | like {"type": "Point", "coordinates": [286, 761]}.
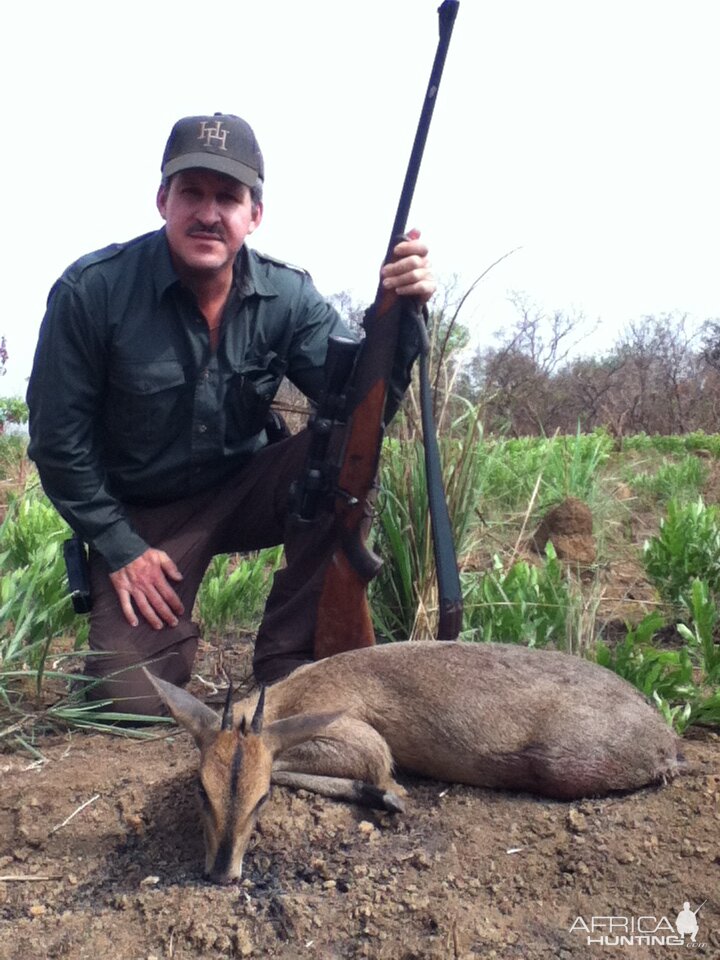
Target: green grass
{"type": "Point", "coordinates": [680, 479]}
{"type": "Point", "coordinates": [233, 592]}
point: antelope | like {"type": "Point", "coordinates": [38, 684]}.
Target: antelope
{"type": "Point", "coordinates": [488, 715]}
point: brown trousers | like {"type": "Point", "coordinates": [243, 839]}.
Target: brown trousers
{"type": "Point", "coordinates": [247, 512]}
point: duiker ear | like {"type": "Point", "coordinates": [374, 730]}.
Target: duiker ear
{"type": "Point", "coordinates": [283, 734]}
{"type": "Point", "coordinates": [186, 709]}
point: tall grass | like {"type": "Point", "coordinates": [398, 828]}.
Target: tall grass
{"type": "Point", "coordinates": [682, 479]}
{"type": "Point", "coordinates": [34, 604]}
{"type": "Point", "coordinates": [566, 466]}
{"type": "Point", "coordinates": [482, 480]}
{"type": "Point", "coordinates": [232, 593]}
{"type": "Point", "coordinates": [404, 595]}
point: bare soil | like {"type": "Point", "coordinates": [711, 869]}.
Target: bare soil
{"type": "Point", "coordinates": [464, 873]}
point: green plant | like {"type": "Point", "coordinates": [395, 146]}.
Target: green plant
{"type": "Point", "coordinates": [12, 410]}
{"type": "Point", "coordinates": [568, 466]}
{"type": "Point", "coordinates": [403, 596]}
{"type": "Point", "coordinates": [234, 588]}
{"type": "Point", "coordinates": [664, 676]}
{"type": "Point", "coordinates": [13, 462]}
{"type": "Point", "coordinates": [34, 603]}
{"type": "Point", "coordinates": [525, 604]}
{"type": "Point", "coordinates": [686, 547]}
{"type": "Point", "coordinates": [680, 480]}
{"type": "Point", "coordinates": [572, 466]}
{"type": "Point", "coordinates": [700, 637]}
{"type": "Point", "coordinates": [683, 683]}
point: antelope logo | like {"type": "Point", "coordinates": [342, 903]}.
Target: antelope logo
{"type": "Point", "coordinates": [213, 134]}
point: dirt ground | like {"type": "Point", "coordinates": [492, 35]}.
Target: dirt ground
{"type": "Point", "coordinates": [464, 873]}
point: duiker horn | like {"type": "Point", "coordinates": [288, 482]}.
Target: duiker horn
{"type": "Point", "coordinates": [257, 720]}
{"type": "Point", "coordinates": [227, 717]}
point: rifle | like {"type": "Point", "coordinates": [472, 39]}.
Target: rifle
{"type": "Point", "coordinates": [354, 565]}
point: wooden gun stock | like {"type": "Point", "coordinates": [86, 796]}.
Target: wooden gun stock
{"type": "Point", "coordinates": [344, 621]}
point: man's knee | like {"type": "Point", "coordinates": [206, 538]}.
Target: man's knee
{"type": "Point", "coordinates": [120, 679]}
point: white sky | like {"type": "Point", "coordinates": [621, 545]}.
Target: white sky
{"type": "Point", "coordinates": [584, 132]}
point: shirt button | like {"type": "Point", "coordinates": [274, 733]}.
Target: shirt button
{"type": "Point", "coordinates": [202, 427]}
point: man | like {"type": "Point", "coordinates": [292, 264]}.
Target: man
{"type": "Point", "coordinates": [149, 398]}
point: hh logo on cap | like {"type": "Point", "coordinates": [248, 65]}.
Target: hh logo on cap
{"type": "Point", "coordinates": [212, 134]}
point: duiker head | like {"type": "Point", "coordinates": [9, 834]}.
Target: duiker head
{"type": "Point", "coordinates": [235, 769]}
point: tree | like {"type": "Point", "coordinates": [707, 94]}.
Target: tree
{"type": "Point", "coordinates": [518, 380]}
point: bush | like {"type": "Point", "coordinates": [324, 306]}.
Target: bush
{"type": "Point", "coordinates": [687, 547]}
{"type": "Point", "coordinates": [525, 604]}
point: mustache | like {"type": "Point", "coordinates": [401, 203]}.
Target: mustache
{"type": "Point", "coordinates": [199, 229]}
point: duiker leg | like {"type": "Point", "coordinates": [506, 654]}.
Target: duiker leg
{"type": "Point", "coordinates": [342, 788]}
{"type": "Point", "coordinates": [348, 750]}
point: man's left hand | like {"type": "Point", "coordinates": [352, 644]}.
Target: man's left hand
{"type": "Point", "coordinates": [409, 273]}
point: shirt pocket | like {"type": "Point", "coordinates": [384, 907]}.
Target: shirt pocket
{"type": "Point", "coordinates": [250, 392]}
{"type": "Point", "coordinates": [147, 402]}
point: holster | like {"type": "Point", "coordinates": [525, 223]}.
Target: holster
{"type": "Point", "coordinates": [78, 574]}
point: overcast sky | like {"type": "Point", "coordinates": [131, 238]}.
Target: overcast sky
{"type": "Point", "coordinates": [584, 133]}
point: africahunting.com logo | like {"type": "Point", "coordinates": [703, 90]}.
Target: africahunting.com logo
{"type": "Point", "coordinates": [647, 930]}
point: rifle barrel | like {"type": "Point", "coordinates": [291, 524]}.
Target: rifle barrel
{"type": "Point", "coordinates": [446, 16]}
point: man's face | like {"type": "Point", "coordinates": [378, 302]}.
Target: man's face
{"type": "Point", "coordinates": [207, 218]}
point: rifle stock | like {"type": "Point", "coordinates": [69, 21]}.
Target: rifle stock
{"type": "Point", "coordinates": [344, 621]}
{"type": "Point", "coordinates": [353, 566]}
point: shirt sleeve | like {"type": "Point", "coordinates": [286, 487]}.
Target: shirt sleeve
{"type": "Point", "coordinates": [315, 321]}
{"type": "Point", "coordinates": [64, 402]}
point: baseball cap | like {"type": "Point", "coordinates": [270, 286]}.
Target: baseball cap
{"type": "Point", "coordinates": [221, 142]}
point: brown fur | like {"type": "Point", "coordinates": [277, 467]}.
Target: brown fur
{"type": "Point", "coordinates": [491, 715]}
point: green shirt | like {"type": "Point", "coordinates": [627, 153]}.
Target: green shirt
{"type": "Point", "coordinates": [129, 404]}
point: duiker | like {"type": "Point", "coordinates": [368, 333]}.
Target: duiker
{"type": "Point", "coordinates": [491, 715]}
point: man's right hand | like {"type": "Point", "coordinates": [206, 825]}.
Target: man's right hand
{"type": "Point", "coordinates": [144, 585]}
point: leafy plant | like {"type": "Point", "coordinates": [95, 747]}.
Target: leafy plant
{"type": "Point", "coordinates": [664, 676]}
{"type": "Point", "coordinates": [683, 683]}
{"type": "Point", "coordinates": [12, 410]}
{"type": "Point", "coordinates": [525, 604]}
{"type": "Point", "coordinates": [234, 588]}
{"type": "Point", "coordinates": [687, 547]}
{"type": "Point", "coordinates": [34, 603]}
{"type": "Point", "coordinates": [701, 638]}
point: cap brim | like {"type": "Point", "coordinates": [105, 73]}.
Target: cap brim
{"type": "Point", "coordinates": [210, 161]}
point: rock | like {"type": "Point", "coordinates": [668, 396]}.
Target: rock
{"type": "Point", "coordinates": [625, 857]}
{"type": "Point", "coordinates": [576, 821]}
